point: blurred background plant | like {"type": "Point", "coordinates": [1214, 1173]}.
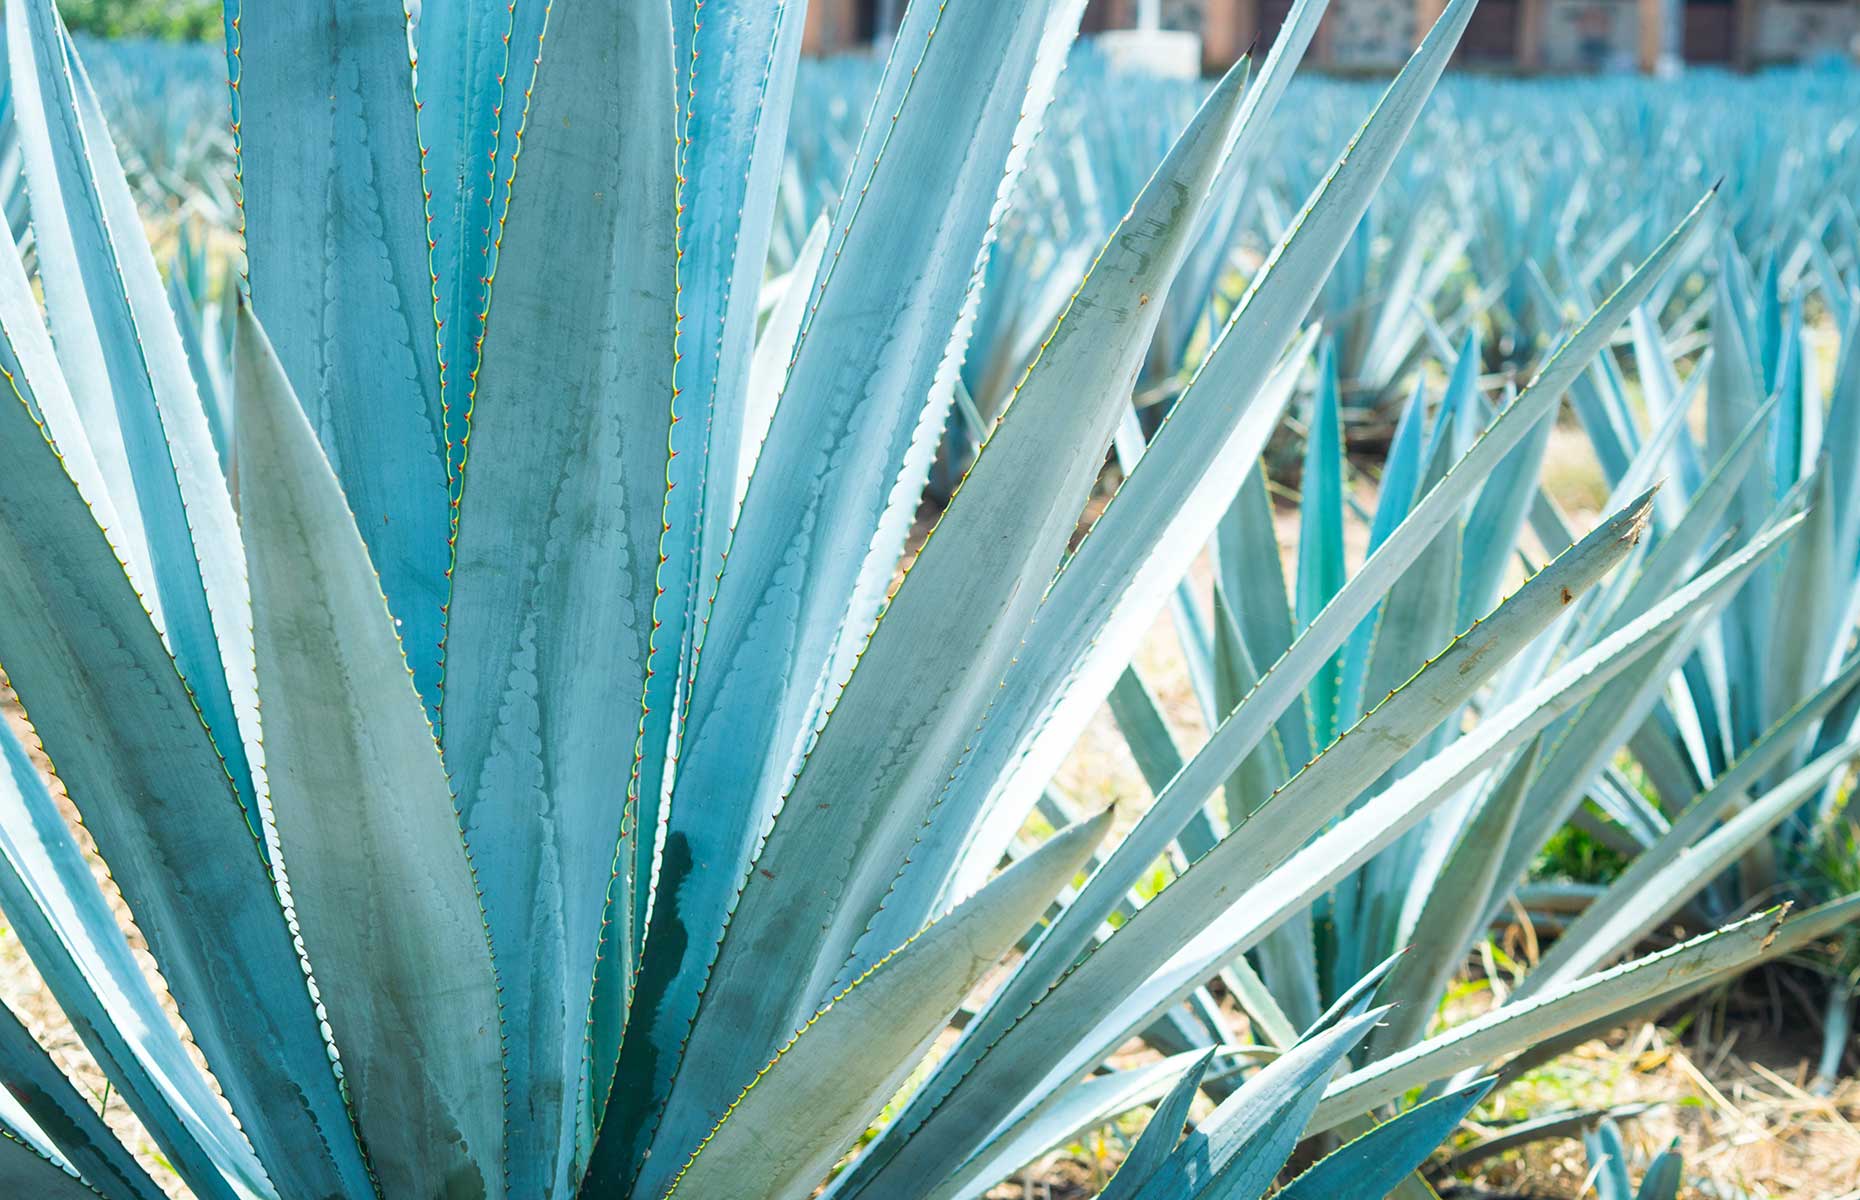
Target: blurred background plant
{"type": "Point", "coordinates": [170, 20]}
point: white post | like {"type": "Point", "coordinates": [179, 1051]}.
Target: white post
{"type": "Point", "coordinates": [885, 23]}
{"type": "Point", "coordinates": [1672, 32]}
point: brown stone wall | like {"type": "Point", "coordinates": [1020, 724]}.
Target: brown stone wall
{"type": "Point", "coordinates": [832, 27]}
{"type": "Point", "coordinates": [1590, 35]}
{"type": "Point", "coordinates": [1371, 34]}
{"type": "Point", "coordinates": [1790, 30]}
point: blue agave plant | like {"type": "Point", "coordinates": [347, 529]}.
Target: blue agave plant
{"type": "Point", "coordinates": [510, 731]}
{"type": "Point", "coordinates": [1745, 758]}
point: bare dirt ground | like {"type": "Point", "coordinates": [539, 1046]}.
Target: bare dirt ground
{"type": "Point", "coordinates": [1742, 1109]}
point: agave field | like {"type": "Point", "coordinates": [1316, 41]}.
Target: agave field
{"type": "Point", "coordinates": [591, 608]}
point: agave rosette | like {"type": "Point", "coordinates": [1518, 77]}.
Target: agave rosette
{"type": "Point", "coordinates": [511, 735]}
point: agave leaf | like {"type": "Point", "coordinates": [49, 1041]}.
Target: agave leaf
{"type": "Point", "coordinates": [1372, 826]}
{"type": "Point", "coordinates": [226, 688]}
{"type": "Point", "coordinates": [1661, 387]}
{"type": "Point", "coordinates": [1599, 403]}
{"type": "Point", "coordinates": [1375, 1163]}
{"type": "Point", "coordinates": [1664, 566]}
{"type": "Point", "coordinates": [775, 349]}
{"type": "Point", "coordinates": [1650, 454]}
{"type": "Point", "coordinates": [1015, 463]}
{"type": "Point", "coordinates": [736, 71]}
{"type": "Point", "coordinates": [1675, 550]}
{"type": "Point", "coordinates": [1810, 633]}
{"type": "Point", "coordinates": [1262, 1010]}
{"type": "Point", "coordinates": [1841, 439]}
{"type": "Point", "coordinates": [1240, 733]}
{"type": "Point", "coordinates": [553, 631]}
{"type": "Point", "coordinates": [1519, 1024]}
{"type": "Point", "coordinates": [1146, 731]}
{"type": "Point", "coordinates": [1664, 1178]}
{"type": "Point", "coordinates": [1216, 766]}
{"type": "Point", "coordinates": [871, 780]}
{"type": "Point", "coordinates": [1454, 911]}
{"type": "Point", "coordinates": [1418, 615]}
{"type": "Point", "coordinates": [81, 417]}
{"type": "Point", "coordinates": [1396, 492]}
{"type": "Point", "coordinates": [24, 1171]}
{"type": "Point", "coordinates": [32, 364]}
{"type": "Point", "coordinates": [1586, 742]}
{"type": "Point", "coordinates": [1092, 1103]}
{"type": "Point", "coordinates": [1160, 1135]}
{"type": "Point", "coordinates": [78, 1132]}
{"type": "Point", "coordinates": [1152, 746]}
{"type": "Point", "coordinates": [1252, 582]}
{"type": "Point", "coordinates": [1195, 641]}
{"type": "Point", "coordinates": [382, 883]}
{"type": "Point", "coordinates": [1318, 793]}
{"type": "Point", "coordinates": [1723, 797]}
{"type": "Point", "coordinates": [121, 729]}
{"type": "Point", "coordinates": [1238, 1150]}
{"type": "Point", "coordinates": [1631, 907]}
{"type": "Point", "coordinates": [870, 349]}
{"type": "Point", "coordinates": [475, 68]}
{"type": "Point", "coordinates": [851, 1056]}
{"type": "Point", "coordinates": [727, 154]}
{"type": "Point", "coordinates": [874, 582]}
{"type": "Point", "coordinates": [1523, 1133]}
{"type": "Point", "coordinates": [1797, 934]}
{"type": "Point", "coordinates": [1208, 915]}
{"type": "Point", "coordinates": [1289, 44]}
{"type": "Point", "coordinates": [1497, 518]}
{"type": "Point", "coordinates": [1111, 590]}
{"type": "Point", "coordinates": [1804, 929]}
{"type": "Point", "coordinates": [58, 912]}
{"type": "Point", "coordinates": [1581, 748]}
{"type": "Point", "coordinates": [214, 388]}
{"type": "Point", "coordinates": [336, 228]}
{"type": "Point", "coordinates": [1356, 998]}
{"type": "Point", "coordinates": [1320, 542]}
{"type": "Point", "coordinates": [1381, 819]}
{"type": "Point", "coordinates": [106, 299]}
{"type": "Point", "coordinates": [1608, 1162]}
{"type": "Point", "coordinates": [1236, 676]}
{"type": "Point", "coordinates": [1732, 395]}
{"type": "Point", "coordinates": [1275, 302]}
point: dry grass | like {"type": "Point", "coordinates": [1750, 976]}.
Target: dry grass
{"type": "Point", "coordinates": [1742, 1111]}
{"type": "Point", "coordinates": [1749, 1126]}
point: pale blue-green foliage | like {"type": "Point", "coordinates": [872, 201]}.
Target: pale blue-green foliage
{"type": "Point", "coordinates": [1494, 221]}
{"type": "Point", "coordinates": [487, 675]}
{"type": "Point", "coordinates": [1743, 765]}
{"type": "Point", "coordinates": [1612, 1164]}
{"type": "Point", "coordinates": [166, 103]}
{"type": "Point", "coordinates": [1608, 1163]}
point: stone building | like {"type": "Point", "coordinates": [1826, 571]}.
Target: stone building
{"type": "Point", "coordinates": [1530, 35]}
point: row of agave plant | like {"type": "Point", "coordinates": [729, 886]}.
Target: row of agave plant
{"type": "Point", "coordinates": [1491, 220]}
{"type": "Point", "coordinates": [368, 647]}
{"type": "Point", "coordinates": [166, 106]}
